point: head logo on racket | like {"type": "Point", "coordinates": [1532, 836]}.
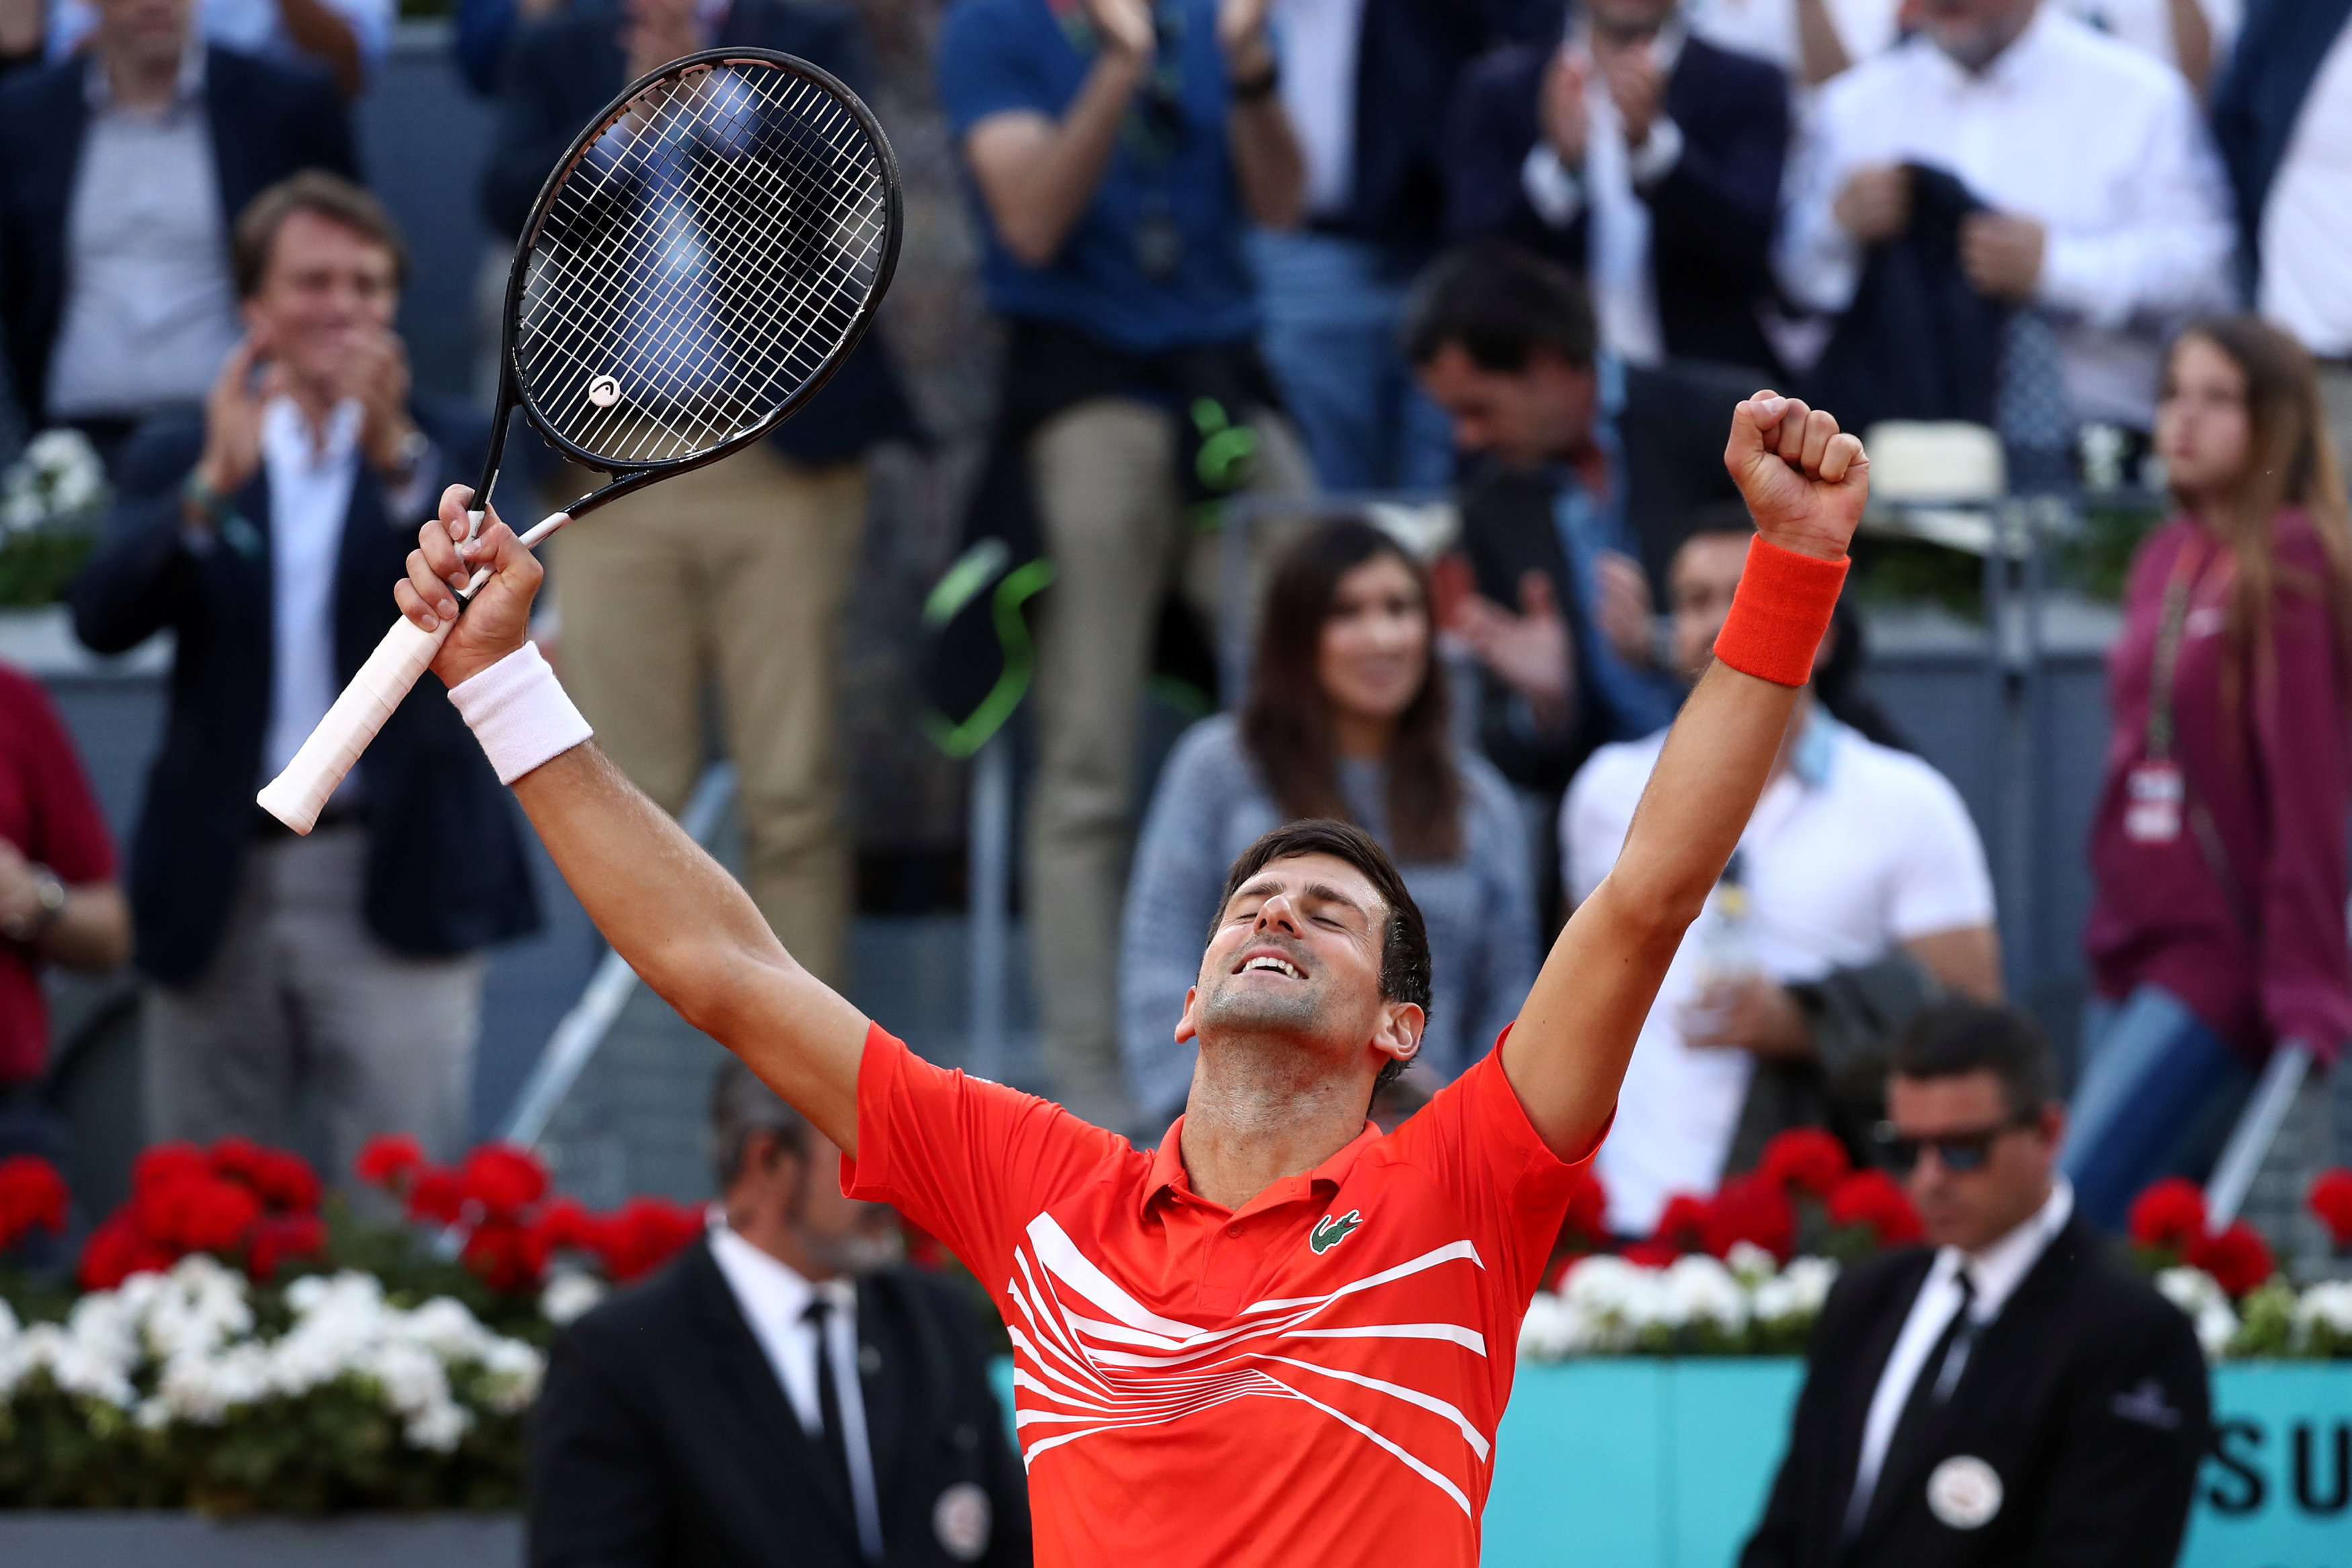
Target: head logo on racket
{"type": "Point", "coordinates": [604, 392]}
{"type": "Point", "coordinates": [1329, 1232]}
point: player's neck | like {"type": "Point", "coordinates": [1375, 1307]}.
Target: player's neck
{"type": "Point", "coordinates": [1250, 1123]}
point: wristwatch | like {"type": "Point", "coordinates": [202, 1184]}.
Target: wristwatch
{"type": "Point", "coordinates": [50, 908]}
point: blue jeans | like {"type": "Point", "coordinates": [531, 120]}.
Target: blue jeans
{"type": "Point", "coordinates": [2159, 1093]}
{"type": "Point", "coordinates": [1331, 311]}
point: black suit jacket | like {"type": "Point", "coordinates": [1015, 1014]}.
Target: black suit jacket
{"type": "Point", "coordinates": [560, 71]}
{"type": "Point", "coordinates": [1710, 219]}
{"type": "Point", "coordinates": [268, 121]}
{"type": "Point", "coordinates": [445, 867]}
{"type": "Point", "coordinates": [1409, 55]}
{"type": "Point", "coordinates": [663, 1437]}
{"type": "Point", "coordinates": [2087, 1395]}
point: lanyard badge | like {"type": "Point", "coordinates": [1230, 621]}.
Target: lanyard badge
{"type": "Point", "coordinates": [2154, 793]}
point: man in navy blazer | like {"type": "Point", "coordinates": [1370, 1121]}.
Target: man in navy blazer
{"type": "Point", "coordinates": [736, 575]}
{"type": "Point", "coordinates": [122, 171]}
{"type": "Point", "coordinates": [1544, 151]}
{"type": "Point", "coordinates": [266, 535]}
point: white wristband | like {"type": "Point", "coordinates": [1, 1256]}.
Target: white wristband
{"type": "Point", "coordinates": [519, 713]}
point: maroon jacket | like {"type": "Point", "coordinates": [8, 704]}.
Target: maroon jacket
{"type": "Point", "coordinates": [2264, 960]}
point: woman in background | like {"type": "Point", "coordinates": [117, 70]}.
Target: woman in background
{"type": "Point", "coordinates": [2218, 928]}
{"type": "Point", "coordinates": [1347, 717]}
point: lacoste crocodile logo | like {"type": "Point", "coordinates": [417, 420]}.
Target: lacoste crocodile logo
{"type": "Point", "coordinates": [1329, 1232]}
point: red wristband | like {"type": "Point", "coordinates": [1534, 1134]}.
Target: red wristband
{"type": "Point", "coordinates": [1780, 613]}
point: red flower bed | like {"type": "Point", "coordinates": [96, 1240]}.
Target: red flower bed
{"type": "Point", "coordinates": [2331, 1200]}
{"type": "Point", "coordinates": [1807, 1159]}
{"type": "Point", "coordinates": [32, 1195]}
{"type": "Point", "coordinates": [239, 1201]}
{"type": "Point", "coordinates": [2237, 1258]}
{"type": "Point", "coordinates": [2170, 1217]}
{"type": "Point", "coordinates": [1876, 1202]}
{"type": "Point", "coordinates": [513, 1228]}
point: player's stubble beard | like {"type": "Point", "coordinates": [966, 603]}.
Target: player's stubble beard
{"type": "Point", "coordinates": [1267, 1052]}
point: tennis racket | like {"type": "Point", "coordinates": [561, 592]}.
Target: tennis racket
{"type": "Point", "coordinates": [706, 254]}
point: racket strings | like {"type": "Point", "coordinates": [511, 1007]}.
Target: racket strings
{"type": "Point", "coordinates": [703, 260]}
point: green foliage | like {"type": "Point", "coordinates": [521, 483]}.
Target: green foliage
{"type": "Point", "coordinates": [36, 566]}
{"type": "Point", "coordinates": [2266, 1322]}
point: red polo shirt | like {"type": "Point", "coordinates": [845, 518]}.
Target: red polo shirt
{"type": "Point", "coordinates": [47, 812]}
{"type": "Point", "coordinates": [1313, 1378]}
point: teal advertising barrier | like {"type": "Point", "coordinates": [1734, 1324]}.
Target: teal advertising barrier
{"type": "Point", "coordinates": [1646, 1463]}
{"type": "Point", "coordinates": [1642, 1462]}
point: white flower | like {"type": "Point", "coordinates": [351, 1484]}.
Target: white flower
{"type": "Point", "coordinates": [2327, 1304]}
{"type": "Point", "coordinates": [1751, 1263]}
{"type": "Point", "coordinates": [569, 1294]}
{"type": "Point", "coordinates": [74, 1367]}
{"type": "Point", "coordinates": [2190, 1290]}
{"type": "Point", "coordinates": [1611, 1301]}
{"type": "Point", "coordinates": [1797, 1292]}
{"type": "Point", "coordinates": [1549, 1332]}
{"type": "Point", "coordinates": [1699, 1289]}
{"type": "Point", "coordinates": [439, 1427]}
{"type": "Point", "coordinates": [447, 1326]}
{"type": "Point", "coordinates": [513, 1369]}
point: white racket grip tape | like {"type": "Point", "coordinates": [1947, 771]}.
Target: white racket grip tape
{"type": "Point", "coordinates": [297, 795]}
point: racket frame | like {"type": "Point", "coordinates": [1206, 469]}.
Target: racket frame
{"type": "Point", "coordinates": [624, 478]}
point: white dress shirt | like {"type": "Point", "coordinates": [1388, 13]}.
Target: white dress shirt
{"type": "Point", "coordinates": [1994, 1275]}
{"type": "Point", "coordinates": [2147, 25]}
{"type": "Point", "coordinates": [1853, 849]}
{"type": "Point", "coordinates": [1768, 28]}
{"type": "Point", "coordinates": [775, 1301]}
{"type": "Point", "coordinates": [1318, 40]}
{"type": "Point", "coordinates": [250, 26]}
{"type": "Point", "coordinates": [149, 312]}
{"type": "Point", "coordinates": [2306, 282]}
{"type": "Point", "coordinates": [2099, 143]}
{"type": "Point", "coordinates": [311, 479]}
{"type": "Point", "coordinates": [1617, 245]}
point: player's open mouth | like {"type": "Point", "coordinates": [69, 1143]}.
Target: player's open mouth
{"type": "Point", "coordinates": [1270, 962]}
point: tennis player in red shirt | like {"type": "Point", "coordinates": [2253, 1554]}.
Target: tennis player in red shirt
{"type": "Point", "coordinates": [1282, 1338]}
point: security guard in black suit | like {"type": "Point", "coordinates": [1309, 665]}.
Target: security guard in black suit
{"type": "Point", "coordinates": [2010, 1395]}
{"type": "Point", "coordinates": [749, 1405]}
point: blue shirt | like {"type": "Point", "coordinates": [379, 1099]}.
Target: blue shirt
{"type": "Point", "coordinates": [1169, 190]}
{"type": "Point", "coordinates": [1639, 701]}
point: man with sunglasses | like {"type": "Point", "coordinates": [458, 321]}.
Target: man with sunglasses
{"type": "Point", "coordinates": [2008, 1394]}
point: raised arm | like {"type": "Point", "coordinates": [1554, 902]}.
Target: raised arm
{"type": "Point", "coordinates": [1805, 483]}
{"type": "Point", "coordinates": [685, 927]}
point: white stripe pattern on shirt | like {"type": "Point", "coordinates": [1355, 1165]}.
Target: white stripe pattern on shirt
{"type": "Point", "coordinates": [1130, 1367]}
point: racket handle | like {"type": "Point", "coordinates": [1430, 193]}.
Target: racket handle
{"type": "Point", "coordinates": [297, 795]}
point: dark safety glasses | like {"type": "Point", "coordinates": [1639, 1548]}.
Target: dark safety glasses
{"type": "Point", "coordinates": [1957, 1151]}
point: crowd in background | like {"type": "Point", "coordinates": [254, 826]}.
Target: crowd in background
{"type": "Point", "coordinates": [1295, 251]}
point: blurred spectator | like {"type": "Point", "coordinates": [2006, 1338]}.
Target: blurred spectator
{"type": "Point", "coordinates": [59, 901]}
{"type": "Point", "coordinates": [1858, 894]}
{"type": "Point", "coordinates": [1505, 343]}
{"type": "Point", "coordinates": [1117, 151]}
{"type": "Point", "coordinates": [2217, 926]}
{"type": "Point", "coordinates": [1642, 157]}
{"type": "Point", "coordinates": [120, 173]}
{"type": "Point", "coordinates": [2192, 35]}
{"type": "Point", "coordinates": [780, 1393]}
{"type": "Point", "coordinates": [2010, 1393]}
{"type": "Point", "coordinates": [2284, 117]}
{"type": "Point", "coordinates": [738, 572]}
{"type": "Point", "coordinates": [482, 30]}
{"type": "Point", "coordinates": [24, 33]}
{"type": "Point", "coordinates": [348, 37]}
{"type": "Point", "coordinates": [266, 535]}
{"type": "Point", "coordinates": [1347, 719]}
{"type": "Point", "coordinates": [1365, 84]}
{"type": "Point", "coordinates": [2010, 152]}
{"type": "Point", "coordinates": [1811, 40]}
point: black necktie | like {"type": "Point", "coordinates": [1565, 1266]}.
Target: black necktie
{"type": "Point", "coordinates": [1938, 1375]}
{"type": "Point", "coordinates": [828, 1402]}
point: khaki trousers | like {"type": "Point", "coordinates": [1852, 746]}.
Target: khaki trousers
{"type": "Point", "coordinates": [738, 572]}
{"type": "Point", "coordinates": [1104, 475]}
{"type": "Point", "coordinates": [302, 993]}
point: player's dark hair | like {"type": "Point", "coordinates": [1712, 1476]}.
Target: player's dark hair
{"type": "Point", "coordinates": [322, 196]}
{"type": "Point", "coordinates": [741, 1105]}
{"type": "Point", "coordinates": [1288, 723]}
{"type": "Point", "coordinates": [1404, 944]}
{"type": "Point", "coordinates": [1955, 1037]}
{"type": "Point", "coordinates": [1500, 303]}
